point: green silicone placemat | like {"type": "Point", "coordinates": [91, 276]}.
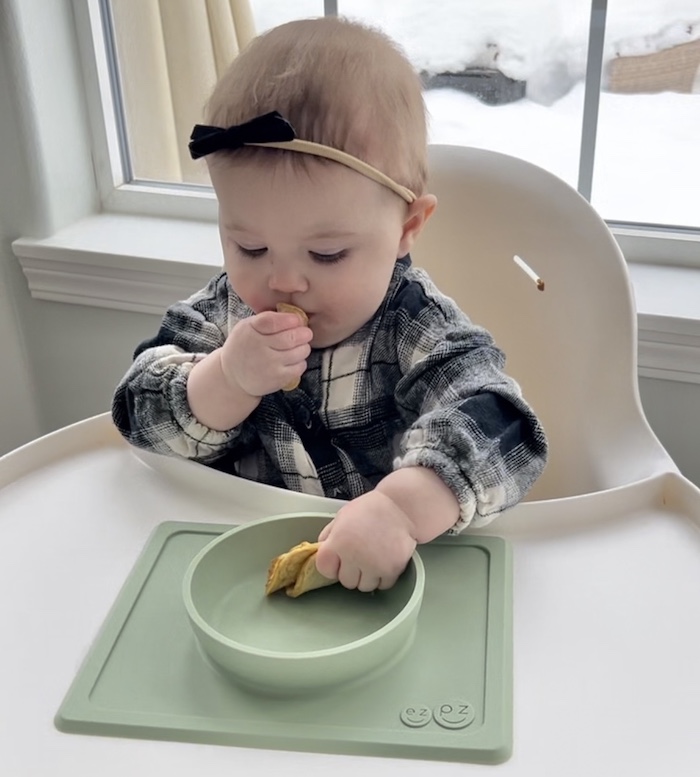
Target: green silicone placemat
{"type": "Point", "coordinates": [449, 698]}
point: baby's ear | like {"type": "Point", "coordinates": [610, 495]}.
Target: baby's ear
{"type": "Point", "coordinates": [416, 218]}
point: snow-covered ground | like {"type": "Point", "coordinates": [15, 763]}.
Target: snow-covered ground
{"type": "Point", "coordinates": [647, 166]}
{"type": "Point", "coordinates": [648, 151]}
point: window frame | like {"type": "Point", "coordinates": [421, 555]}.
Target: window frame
{"type": "Point", "coordinates": [117, 194]}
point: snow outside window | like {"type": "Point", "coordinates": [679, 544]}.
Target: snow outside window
{"type": "Point", "coordinates": [507, 75]}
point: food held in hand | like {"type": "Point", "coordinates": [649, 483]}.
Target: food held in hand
{"type": "Point", "coordinates": [285, 307]}
{"type": "Point", "coordinates": [296, 572]}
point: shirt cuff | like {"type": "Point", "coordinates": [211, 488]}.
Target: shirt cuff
{"type": "Point", "coordinates": [194, 440]}
{"type": "Point", "coordinates": [477, 506]}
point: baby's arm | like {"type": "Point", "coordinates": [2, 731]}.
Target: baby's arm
{"type": "Point", "coordinates": [151, 407]}
{"type": "Point", "coordinates": [191, 388]}
{"type": "Point", "coordinates": [371, 539]}
{"type": "Point", "coordinates": [472, 448]}
{"type": "Point", "coordinates": [429, 505]}
{"type": "Point", "coordinates": [467, 420]}
{"type": "Point", "coordinates": [214, 401]}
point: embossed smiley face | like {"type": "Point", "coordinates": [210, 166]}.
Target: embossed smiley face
{"type": "Point", "coordinates": [454, 714]}
{"type": "Point", "coordinates": [416, 715]}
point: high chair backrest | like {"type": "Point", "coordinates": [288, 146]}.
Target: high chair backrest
{"type": "Point", "coordinates": [571, 346]}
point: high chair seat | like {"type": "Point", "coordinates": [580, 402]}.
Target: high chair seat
{"type": "Point", "coordinates": [573, 344]}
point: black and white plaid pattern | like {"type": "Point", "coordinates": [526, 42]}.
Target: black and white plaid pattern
{"type": "Point", "coordinates": [418, 385]}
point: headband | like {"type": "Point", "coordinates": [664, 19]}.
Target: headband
{"type": "Point", "coordinates": [272, 130]}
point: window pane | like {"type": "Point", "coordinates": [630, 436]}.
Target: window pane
{"type": "Point", "coordinates": [647, 162]}
{"type": "Point", "coordinates": [497, 77]}
{"type": "Point", "coordinates": [506, 75]}
{"type": "Point", "coordinates": [271, 13]}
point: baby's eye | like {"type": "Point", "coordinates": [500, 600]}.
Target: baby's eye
{"type": "Point", "coordinates": [252, 253]}
{"type": "Point", "coordinates": [329, 258]}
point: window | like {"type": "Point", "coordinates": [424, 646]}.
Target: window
{"type": "Point", "coordinates": [647, 168]}
{"type": "Point", "coordinates": [606, 95]}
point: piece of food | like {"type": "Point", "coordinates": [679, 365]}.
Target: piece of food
{"type": "Point", "coordinates": [285, 307]}
{"type": "Point", "coordinates": [284, 569]}
{"type": "Point", "coordinates": [295, 571]}
{"type": "Point", "coordinates": [308, 579]}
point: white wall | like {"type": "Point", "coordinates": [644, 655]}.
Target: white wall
{"type": "Point", "coordinates": [673, 410]}
{"type": "Point", "coordinates": [79, 354]}
{"type": "Point", "coordinates": [18, 410]}
{"type": "Point", "coordinates": [46, 181]}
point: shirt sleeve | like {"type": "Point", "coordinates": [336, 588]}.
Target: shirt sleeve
{"type": "Point", "coordinates": [467, 420]}
{"type": "Point", "coordinates": [150, 407]}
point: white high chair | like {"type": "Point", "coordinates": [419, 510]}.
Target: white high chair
{"type": "Point", "coordinates": [573, 345]}
{"type": "Point", "coordinates": [606, 578]}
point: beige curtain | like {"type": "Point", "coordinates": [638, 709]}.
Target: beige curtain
{"type": "Point", "coordinates": [170, 54]}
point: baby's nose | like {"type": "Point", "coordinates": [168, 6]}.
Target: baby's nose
{"type": "Point", "coordinates": [287, 279]}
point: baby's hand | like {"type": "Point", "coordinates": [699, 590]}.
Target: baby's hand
{"type": "Point", "coordinates": [368, 544]}
{"type": "Point", "coordinates": [266, 352]}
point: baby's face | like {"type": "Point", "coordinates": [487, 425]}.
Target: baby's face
{"type": "Point", "coordinates": [325, 240]}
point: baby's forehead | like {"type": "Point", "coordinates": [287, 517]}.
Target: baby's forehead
{"type": "Point", "coordinates": [332, 204]}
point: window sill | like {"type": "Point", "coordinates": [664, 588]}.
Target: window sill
{"type": "Point", "coordinates": [143, 264]}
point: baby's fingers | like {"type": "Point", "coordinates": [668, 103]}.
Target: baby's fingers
{"type": "Point", "coordinates": [327, 562]}
{"type": "Point", "coordinates": [269, 322]}
{"type": "Point", "coordinates": [349, 576]}
{"type": "Point", "coordinates": [298, 355]}
{"type": "Point", "coordinates": [346, 571]}
{"type": "Point", "coordinates": [325, 532]}
{"type": "Point", "coordinates": [386, 582]}
{"type": "Point", "coordinates": [370, 582]}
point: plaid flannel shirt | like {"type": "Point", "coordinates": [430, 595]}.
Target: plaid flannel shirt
{"type": "Point", "coordinates": [417, 385]}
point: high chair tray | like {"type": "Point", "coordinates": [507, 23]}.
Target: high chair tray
{"type": "Point", "coordinates": [449, 698]}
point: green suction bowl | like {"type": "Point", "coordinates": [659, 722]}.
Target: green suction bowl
{"type": "Point", "coordinates": [282, 645]}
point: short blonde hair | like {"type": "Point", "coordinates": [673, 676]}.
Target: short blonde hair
{"type": "Point", "coordinates": [339, 83]}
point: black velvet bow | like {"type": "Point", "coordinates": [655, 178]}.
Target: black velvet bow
{"type": "Point", "coordinates": [269, 128]}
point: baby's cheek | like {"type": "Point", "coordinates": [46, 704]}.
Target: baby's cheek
{"type": "Point", "coordinates": [257, 303]}
{"type": "Point", "coordinates": [249, 286]}
{"type": "Point", "coordinates": [253, 297]}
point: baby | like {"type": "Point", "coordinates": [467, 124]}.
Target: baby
{"type": "Point", "coordinates": [316, 145]}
